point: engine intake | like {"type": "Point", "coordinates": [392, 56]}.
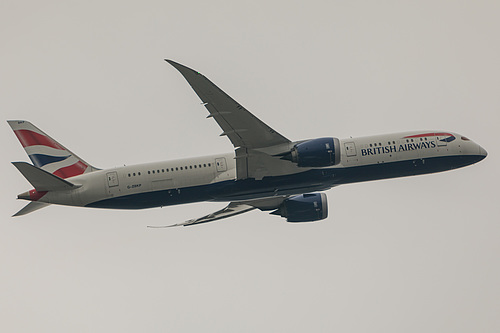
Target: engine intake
{"type": "Point", "coordinates": [320, 152]}
{"type": "Point", "coordinates": [304, 208]}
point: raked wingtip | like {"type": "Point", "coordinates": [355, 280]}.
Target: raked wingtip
{"type": "Point", "coordinates": [165, 226]}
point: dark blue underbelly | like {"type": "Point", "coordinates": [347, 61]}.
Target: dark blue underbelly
{"type": "Point", "coordinates": [309, 181]}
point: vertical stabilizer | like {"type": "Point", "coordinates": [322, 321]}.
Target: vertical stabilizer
{"type": "Point", "coordinates": [48, 154]}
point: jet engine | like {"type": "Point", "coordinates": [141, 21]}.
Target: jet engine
{"type": "Point", "coordinates": [320, 152]}
{"type": "Point", "coordinates": [304, 208]}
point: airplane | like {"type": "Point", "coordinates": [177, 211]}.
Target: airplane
{"type": "Point", "coordinates": [266, 171]}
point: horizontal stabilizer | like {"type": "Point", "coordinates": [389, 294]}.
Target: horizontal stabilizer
{"type": "Point", "coordinates": [31, 207]}
{"type": "Point", "coordinates": [42, 180]}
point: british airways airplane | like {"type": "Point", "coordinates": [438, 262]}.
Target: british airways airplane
{"type": "Point", "coordinates": [266, 171]}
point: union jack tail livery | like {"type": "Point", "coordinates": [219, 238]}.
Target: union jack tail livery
{"type": "Point", "coordinates": [48, 154]}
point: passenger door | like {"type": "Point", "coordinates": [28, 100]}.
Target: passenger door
{"type": "Point", "coordinates": [350, 149]}
{"type": "Point", "coordinates": [112, 183]}
{"type": "Point", "coordinates": [350, 153]}
{"type": "Point", "coordinates": [220, 164]}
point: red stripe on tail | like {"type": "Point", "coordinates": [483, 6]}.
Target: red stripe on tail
{"type": "Point", "coordinates": [35, 195]}
{"type": "Point", "coordinates": [30, 138]}
{"type": "Point", "coordinates": [70, 171]}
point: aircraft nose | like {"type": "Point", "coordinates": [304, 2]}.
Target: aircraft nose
{"type": "Point", "coordinates": [483, 152]}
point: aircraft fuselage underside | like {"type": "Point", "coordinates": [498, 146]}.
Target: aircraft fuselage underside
{"type": "Point", "coordinates": [308, 181]}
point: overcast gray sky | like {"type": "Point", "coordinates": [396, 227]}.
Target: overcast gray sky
{"type": "Point", "coordinates": [418, 254]}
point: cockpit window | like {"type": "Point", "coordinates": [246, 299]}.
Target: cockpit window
{"type": "Point", "coordinates": [464, 138]}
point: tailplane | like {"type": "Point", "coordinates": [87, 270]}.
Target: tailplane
{"type": "Point", "coordinates": [31, 207]}
{"type": "Point", "coordinates": [42, 180]}
{"type": "Point", "coordinates": [48, 154]}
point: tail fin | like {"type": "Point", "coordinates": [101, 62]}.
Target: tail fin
{"type": "Point", "coordinates": [48, 154]}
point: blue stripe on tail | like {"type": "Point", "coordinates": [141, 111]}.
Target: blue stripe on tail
{"type": "Point", "coordinates": [39, 160]}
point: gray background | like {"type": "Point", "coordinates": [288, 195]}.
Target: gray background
{"type": "Point", "coordinates": [418, 254]}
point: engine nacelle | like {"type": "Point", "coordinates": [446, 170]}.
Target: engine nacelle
{"type": "Point", "coordinates": [304, 208]}
{"type": "Point", "coordinates": [320, 152]}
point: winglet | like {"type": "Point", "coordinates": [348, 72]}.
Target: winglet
{"type": "Point", "coordinates": [190, 75]}
{"type": "Point", "coordinates": [165, 226]}
{"type": "Point", "coordinates": [177, 65]}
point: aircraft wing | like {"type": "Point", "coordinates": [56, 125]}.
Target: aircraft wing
{"type": "Point", "coordinates": [232, 209]}
{"type": "Point", "coordinates": [237, 123]}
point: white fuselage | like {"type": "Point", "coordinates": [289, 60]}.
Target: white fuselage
{"type": "Point", "coordinates": [215, 177]}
